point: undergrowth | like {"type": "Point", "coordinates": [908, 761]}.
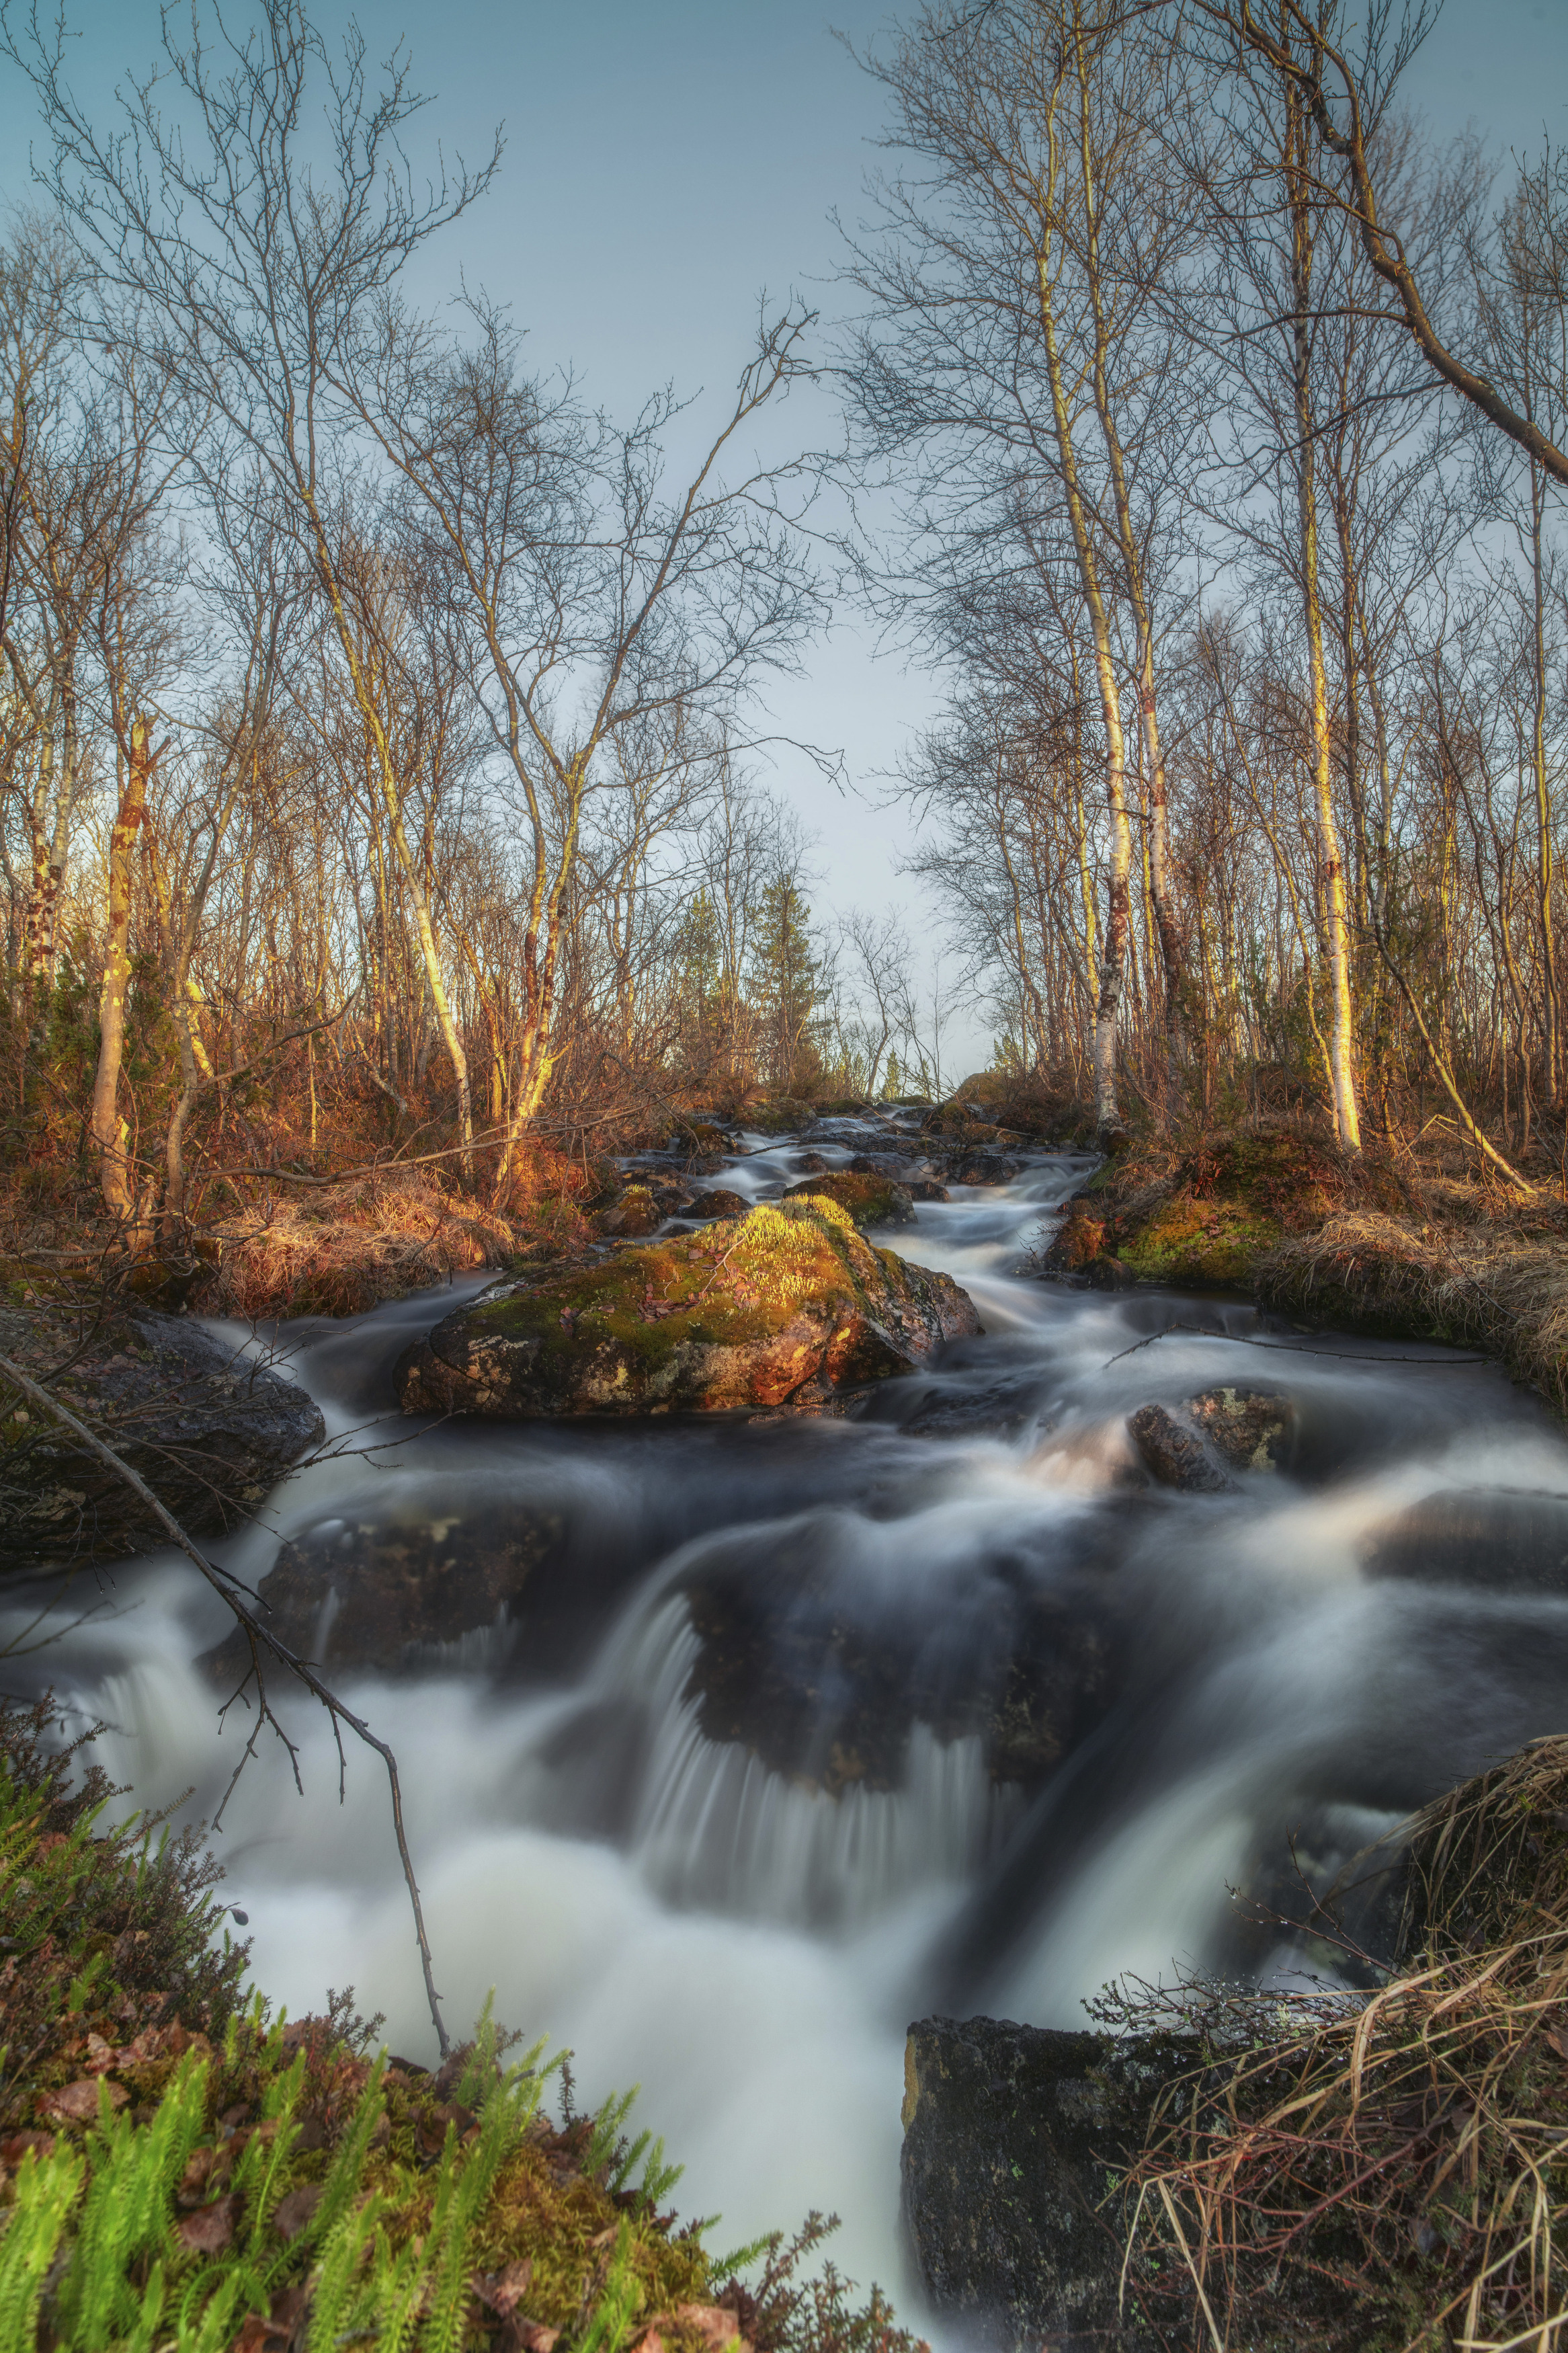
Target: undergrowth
{"type": "Point", "coordinates": [1385, 2175]}
{"type": "Point", "coordinates": [182, 2172]}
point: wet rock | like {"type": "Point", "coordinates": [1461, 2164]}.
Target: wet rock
{"type": "Point", "coordinates": [824, 1679]}
{"type": "Point", "coordinates": [1254, 1429]}
{"type": "Point", "coordinates": [885, 1162]}
{"type": "Point", "coordinates": [1176, 1456]}
{"type": "Point", "coordinates": [1015, 2138]}
{"type": "Point", "coordinates": [868, 1200]}
{"type": "Point", "coordinates": [785, 1115]}
{"type": "Point", "coordinates": [785, 1305]}
{"type": "Point", "coordinates": [1490, 1537]}
{"type": "Point", "coordinates": [385, 1595]}
{"type": "Point", "coordinates": [851, 1130]}
{"type": "Point", "coordinates": [998, 1410]}
{"type": "Point", "coordinates": [717, 1203]}
{"type": "Point", "coordinates": [983, 1168]}
{"type": "Point", "coordinates": [635, 1213]}
{"type": "Point", "coordinates": [925, 1188]}
{"type": "Point", "coordinates": [810, 1164]}
{"type": "Point", "coordinates": [209, 1430]}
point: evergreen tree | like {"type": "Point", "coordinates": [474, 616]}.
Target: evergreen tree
{"type": "Point", "coordinates": [785, 982]}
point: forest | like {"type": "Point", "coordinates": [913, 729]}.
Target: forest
{"type": "Point", "coordinates": [383, 726]}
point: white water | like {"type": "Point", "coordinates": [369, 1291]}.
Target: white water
{"type": "Point", "coordinates": [747, 1947]}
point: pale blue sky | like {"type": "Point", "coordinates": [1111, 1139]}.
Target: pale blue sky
{"type": "Point", "coordinates": [665, 163]}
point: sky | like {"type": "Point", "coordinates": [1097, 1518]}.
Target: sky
{"type": "Point", "coordinates": [665, 164]}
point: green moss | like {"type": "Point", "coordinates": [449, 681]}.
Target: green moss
{"type": "Point", "coordinates": [741, 1280]}
{"type": "Point", "coordinates": [1202, 1242]}
{"type": "Point", "coordinates": [785, 1116]}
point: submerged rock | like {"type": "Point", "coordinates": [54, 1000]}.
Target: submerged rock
{"type": "Point", "coordinates": [208, 1429]}
{"type": "Point", "coordinates": [983, 1168]}
{"type": "Point", "coordinates": [785, 1305]}
{"type": "Point", "coordinates": [1015, 2138]}
{"type": "Point", "coordinates": [385, 1595]}
{"type": "Point", "coordinates": [1493, 1538]}
{"type": "Point", "coordinates": [870, 1200]}
{"type": "Point", "coordinates": [1176, 1456]}
{"type": "Point", "coordinates": [823, 1681]}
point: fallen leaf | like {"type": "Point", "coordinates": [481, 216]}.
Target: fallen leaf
{"type": "Point", "coordinates": [534, 2337]}
{"type": "Point", "coordinates": [710, 2321]}
{"type": "Point", "coordinates": [504, 2291]}
{"type": "Point", "coordinates": [208, 2232]}
{"type": "Point", "coordinates": [13, 2150]}
{"type": "Point", "coordinates": [1558, 2040]}
{"type": "Point", "coordinates": [295, 2210]}
{"type": "Point", "coordinates": [603, 2238]}
{"type": "Point", "coordinates": [78, 2101]}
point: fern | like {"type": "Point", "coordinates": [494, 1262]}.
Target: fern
{"type": "Point", "coordinates": [45, 2193]}
{"type": "Point", "coordinates": [129, 2207]}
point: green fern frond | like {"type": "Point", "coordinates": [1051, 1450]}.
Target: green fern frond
{"type": "Point", "coordinates": [46, 2191]}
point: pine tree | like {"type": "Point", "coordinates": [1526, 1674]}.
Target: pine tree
{"type": "Point", "coordinates": [785, 986]}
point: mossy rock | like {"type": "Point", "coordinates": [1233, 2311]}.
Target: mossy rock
{"type": "Point", "coordinates": [870, 1200]}
{"type": "Point", "coordinates": [1200, 1244]}
{"type": "Point", "coordinates": [787, 1305]}
{"type": "Point", "coordinates": [785, 1116]}
{"type": "Point", "coordinates": [635, 1214]}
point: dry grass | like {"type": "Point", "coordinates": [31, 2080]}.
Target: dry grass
{"type": "Point", "coordinates": [1485, 1281]}
{"type": "Point", "coordinates": [339, 1250]}
{"type": "Point", "coordinates": [1388, 2175]}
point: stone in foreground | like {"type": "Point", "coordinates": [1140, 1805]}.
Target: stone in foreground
{"type": "Point", "coordinates": [1015, 2138]}
{"type": "Point", "coordinates": [787, 1306]}
{"type": "Point", "coordinates": [209, 1430]}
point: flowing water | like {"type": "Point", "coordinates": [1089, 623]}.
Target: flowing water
{"type": "Point", "coordinates": [745, 1926]}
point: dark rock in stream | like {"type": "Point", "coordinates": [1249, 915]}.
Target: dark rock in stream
{"type": "Point", "coordinates": [717, 1203]}
{"type": "Point", "coordinates": [822, 1688]}
{"type": "Point", "coordinates": [1014, 2141]}
{"type": "Point", "coordinates": [1254, 1429]}
{"type": "Point", "coordinates": [1176, 1456]}
{"type": "Point", "coordinates": [209, 1430]}
{"type": "Point", "coordinates": [387, 1595]}
{"type": "Point", "coordinates": [1495, 1538]}
{"type": "Point", "coordinates": [786, 1306]}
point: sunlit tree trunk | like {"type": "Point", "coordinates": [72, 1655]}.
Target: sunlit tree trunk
{"type": "Point", "coordinates": [109, 1131]}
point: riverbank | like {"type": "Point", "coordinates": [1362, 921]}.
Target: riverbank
{"type": "Point", "coordinates": [178, 2164]}
{"type": "Point", "coordinates": [1390, 1244]}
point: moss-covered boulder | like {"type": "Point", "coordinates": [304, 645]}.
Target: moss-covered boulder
{"type": "Point", "coordinates": [786, 1306]}
{"type": "Point", "coordinates": [868, 1200]}
{"type": "Point", "coordinates": [786, 1115]}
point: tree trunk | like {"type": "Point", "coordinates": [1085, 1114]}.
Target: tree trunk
{"type": "Point", "coordinates": [108, 1131]}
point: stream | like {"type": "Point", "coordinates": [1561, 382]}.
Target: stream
{"type": "Point", "coordinates": [746, 1928]}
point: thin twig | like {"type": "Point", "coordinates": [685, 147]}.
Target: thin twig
{"type": "Point", "coordinates": [259, 1638]}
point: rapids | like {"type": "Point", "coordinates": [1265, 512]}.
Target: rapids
{"type": "Point", "coordinates": [745, 1945]}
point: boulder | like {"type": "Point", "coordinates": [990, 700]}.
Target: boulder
{"type": "Point", "coordinates": [824, 1682]}
{"type": "Point", "coordinates": [716, 1202]}
{"type": "Point", "coordinates": [638, 1211]}
{"type": "Point", "coordinates": [209, 1430]}
{"type": "Point", "coordinates": [786, 1115]}
{"type": "Point", "coordinates": [925, 1188]}
{"type": "Point", "coordinates": [1015, 2139]}
{"type": "Point", "coordinates": [983, 1168]}
{"type": "Point", "coordinates": [385, 1595]}
{"type": "Point", "coordinates": [1493, 1538]}
{"type": "Point", "coordinates": [1176, 1456]}
{"type": "Point", "coordinates": [785, 1305]}
{"type": "Point", "coordinates": [868, 1200]}
{"type": "Point", "coordinates": [810, 1164]}
{"type": "Point", "coordinates": [1254, 1429]}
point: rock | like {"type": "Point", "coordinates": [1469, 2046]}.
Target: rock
{"type": "Point", "coordinates": [1014, 2141]}
{"type": "Point", "coordinates": [885, 1162]}
{"type": "Point", "coordinates": [785, 1305]}
{"type": "Point", "coordinates": [717, 1203]}
{"type": "Point", "coordinates": [387, 1595]}
{"type": "Point", "coordinates": [786, 1115]}
{"type": "Point", "coordinates": [824, 1682]}
{"type": "Point", "coordinates": [637, 1212]}
{"type": "Point", "coordinates": [925, 1188]}
{"type": "Point", "coordinates": [1176, 1456]}
{"type": "Point", "coordinates": [999, 1409]}
{"type": "Point", "coordinates": [983, 1168]}
{"type": "Point", "coordinates": [810, 1164]}
{"type": "Point", "coordinates": [208, 1429]}
{"type": "Point", "coordinates": [868, 1200]}
{"type": "Point", "coordinates": [1488, 1537]}
{"type": "Point", "coordinates": [1254, 1429]}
